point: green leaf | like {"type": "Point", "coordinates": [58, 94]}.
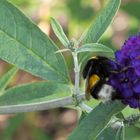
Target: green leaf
{"type": "Point", "coordinates": [94, 47]}
{"type": "Point", "coordinates": [95, 122]}
{"type": "Point", "coordinates": [83, 115]}
{"type": "Point", "coordinates": [107, 134]}
{"type": "Point", "coordinates": [32, 97]}
{"type": "Point", "coordinates": [120, 115]}
{"type": "Point", "coordinates": [59, 32]}
{"type": "Point", "coordinates": [23, 44]}
{"type": "Point", "coordinates": [101, 23]}
{"type": "Point", "coordinates": [137, 125]}
{"type": "Point", "coordinates": [132, 133]}
{"type": "Point", "coordinates": [99, 26]}
{"type": "Point", "coordinates": [129, 111]}
{"type": "Point", "coordinates": [6, 78]}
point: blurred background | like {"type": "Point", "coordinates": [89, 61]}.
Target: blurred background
{"type": "Point", "coordinates": [74, 16]}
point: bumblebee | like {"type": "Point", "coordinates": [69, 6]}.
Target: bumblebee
{"type": "Point", "coordinates": [96, 73]}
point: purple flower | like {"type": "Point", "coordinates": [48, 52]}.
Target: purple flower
{"type": "Point", "coordinates": [125, 77]}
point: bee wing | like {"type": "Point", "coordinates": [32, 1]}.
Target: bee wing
{"type": "Point", "coordinates": [87, 89]}
{"type": "Point", "coordinates": [87, 68]}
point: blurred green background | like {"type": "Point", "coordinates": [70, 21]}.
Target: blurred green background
{"type": "Point", "coordinates": [74, 16]}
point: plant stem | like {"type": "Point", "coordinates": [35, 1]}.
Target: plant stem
{"type": "Point", "coordinates": [77, 80]}
{"type": "Point", "coordinates": [76, 70]}
{"type": "Point", "coordinates": [87, 108]}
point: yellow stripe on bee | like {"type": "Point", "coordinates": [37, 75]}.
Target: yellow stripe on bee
{"type": "Point", "coordinates": [93, 80]}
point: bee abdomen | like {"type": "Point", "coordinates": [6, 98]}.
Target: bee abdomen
{"type": "Point", "coordinates": [103, 91]}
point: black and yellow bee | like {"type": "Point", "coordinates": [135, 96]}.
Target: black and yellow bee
{"type": "Point", "coordinates": [96, 73]}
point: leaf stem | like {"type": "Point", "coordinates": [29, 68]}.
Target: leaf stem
{"type": "Point", "coordinates": [85, 107]}
{"type": "Point", "coordinates": [77, 80]}
{"type": "Point", "coordinates": [76, 70]}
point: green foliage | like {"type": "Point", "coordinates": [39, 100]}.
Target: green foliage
{"type": "Point", "coordinates": [132, 133]}
{"type": "Point", "coordinates": [101, 23]}
{"type": "Point", "coordinates": [25, 46]}
{"type": "Point", "coordinates": [108, 134]}
{"type": "Point", "coordinates": [96, 49]}
{"type": "Point", "coordinates": [59, 32]}
{"type": "Point", "coordinates": [6, 78]}
{"type": "Point", "coordinates": [32, 96]}
{"type": "Point", "coordinates": [96, 121]}
{"type": "Point", "coordinates": [23, 2]}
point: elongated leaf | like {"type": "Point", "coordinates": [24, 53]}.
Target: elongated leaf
{"type": "Point", "coordinates": [83, 115]}
{"type": "Point", "coordinates": [94, 47]}
{"type": "Point", "coordinates": [137, 125]}
{"type": "Point", "coordinates": [95, 122]}
{"type": "Point", "coordinates": [32, 97]}
{"type": "Point", "coordinates": [101, 23]}
{"type": "Point", "coordinates": [23, 44]}
{"type": "Point", "coordinates": [59, 32]}
{"type": "Point", "coordinates": [132, 133]}
{"type": "Point", "coordinates": [6, 78]}
{"type": "Point", "coordinates": [99, 26]}
{"type": "Point", "coordinates": [107, 134]}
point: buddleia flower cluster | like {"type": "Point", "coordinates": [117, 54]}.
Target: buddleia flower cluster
{"type": "Point", "coordinates": [126, 76]}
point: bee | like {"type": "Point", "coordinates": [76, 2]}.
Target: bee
{"type": "Point", "coordinates": [96, 72]}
